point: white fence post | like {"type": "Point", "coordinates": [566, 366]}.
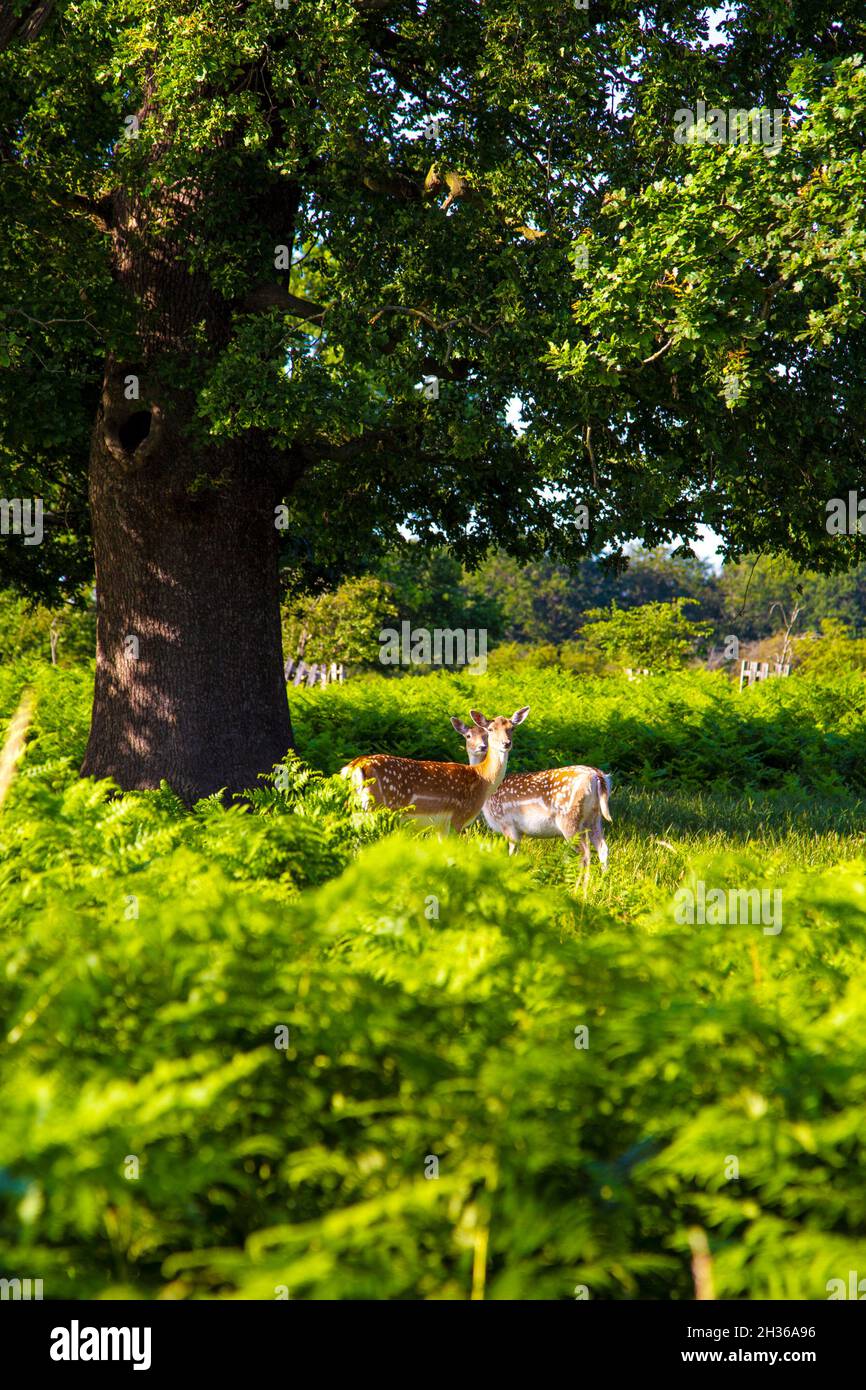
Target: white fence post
{"type": "Point", "coordinates": [752, 671]}
{"type": "Point", "coordinates": [319, 673]}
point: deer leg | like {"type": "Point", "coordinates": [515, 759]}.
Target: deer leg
{"type": "Point", "coordinates": [584, 854]}
{"type": "Point", "coordinates": [584, 850]}
{"type": "Point", "coordinates": [569, 829]}
{"type": "Point", "coordinates": [597, 837]}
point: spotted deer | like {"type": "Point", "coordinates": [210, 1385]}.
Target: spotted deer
{"type": "Point", "coordinates": [449, 795]}
{"type": "Point", "coordinates": [566, 801]}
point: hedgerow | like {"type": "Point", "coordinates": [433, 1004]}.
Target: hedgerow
{"type": "Point", "coordinates": [690, 728]}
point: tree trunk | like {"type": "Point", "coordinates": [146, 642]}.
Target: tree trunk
{"type": "Point", "coordinates": [189, 673]}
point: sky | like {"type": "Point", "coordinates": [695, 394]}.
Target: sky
{"type": "Point", "coordinates": [708, 547]}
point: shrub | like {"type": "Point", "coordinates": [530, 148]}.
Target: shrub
{"type": "Point", "coordinates": [655, 635]}
{"type": "Point", "coordinates": [26, 630]}
{"type": "Point", "coordinates": [342, 625]}
{"type": "Point", "coordinates": [833, 652]}
{"type": "Point", "coordinates": [692, 728]}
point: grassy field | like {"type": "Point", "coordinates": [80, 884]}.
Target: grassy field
{"type": "Point", "coordinates": [287, 1049]}
{"type": "Point", "coordinates": [657, 836]}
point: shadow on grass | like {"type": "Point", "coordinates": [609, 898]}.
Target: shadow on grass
{"type": "Point", "coordinates": [687, 812]}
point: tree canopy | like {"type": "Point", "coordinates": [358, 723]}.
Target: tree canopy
{"type": "Point", "coordinates": [720, 355]}
{"type": "Point", "coordinates": [385, 193]}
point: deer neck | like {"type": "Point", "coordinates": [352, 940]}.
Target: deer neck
{"type": "Point", "coordinates": [491, 769]}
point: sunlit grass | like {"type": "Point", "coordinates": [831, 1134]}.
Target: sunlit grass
{"type": "Point", "coordinates": [656, 836]}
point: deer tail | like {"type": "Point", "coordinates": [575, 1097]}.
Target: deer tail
{"type": "Point", "coordinates": [602, 788]}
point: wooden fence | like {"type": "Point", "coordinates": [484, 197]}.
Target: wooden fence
{"type": "Point", "coordinates": [319, 673]}
{"type": "Point", "coordinates": [751, 671]}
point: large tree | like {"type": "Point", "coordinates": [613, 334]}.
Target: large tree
{"type": "Point", "coordinates": [237, 238]}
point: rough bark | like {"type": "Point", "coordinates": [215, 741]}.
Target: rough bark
{"type": "Point", "coordinates": [189, 671]}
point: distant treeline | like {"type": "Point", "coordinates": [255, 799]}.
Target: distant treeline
{"type": "Point", "coordinates": [543, 602]}
{"type": "Point", "coordinates": [537, 604]}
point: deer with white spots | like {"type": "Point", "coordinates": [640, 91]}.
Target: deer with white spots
{"type": "Point", "coordinates": [449, 795]}
{"type": "Point", "coordinates": [566, 801]}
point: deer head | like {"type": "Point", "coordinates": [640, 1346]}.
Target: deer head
{"type": "Point", "coordinates": [476, 740]}
{"type": "Point", "coordinates": [484, 733]}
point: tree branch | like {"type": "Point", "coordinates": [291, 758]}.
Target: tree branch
{"type": "Point", "coordinates": [415, 313]}
{"type": "Point", "coordinates": [770, 294]}
{"type": "Point", "coordinates": [454, 369]}
{"type": "Point", "coordinates": [395, 185]}
{"type": "Point", "coordinates": [316, 449]}
{"type": "Point", "coordinates": [656, 355]}
{"type": "Point", "coordinates": [426, 318]}
{"type": "Point", "coordinates": [587, 439]}
{"type": "Point", "coordinates": [98, 212]}
{"type": "Point", "coordinates": [273, 296]}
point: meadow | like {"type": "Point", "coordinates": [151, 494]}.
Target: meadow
{"type": "Point", "coordinates": [285, 1049]}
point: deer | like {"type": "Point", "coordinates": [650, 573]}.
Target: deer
{"type": "Point", "coordinates": [449, 795]}
{"type": "Point", "coordinates": [566, 801]}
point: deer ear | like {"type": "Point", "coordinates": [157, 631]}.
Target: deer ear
{"type": "Point", "coordinates": [461, 728]}
{"type": "Point", "coordinates": [521, 714]}
{"type": "Point", "coordinates": [478, 718]}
